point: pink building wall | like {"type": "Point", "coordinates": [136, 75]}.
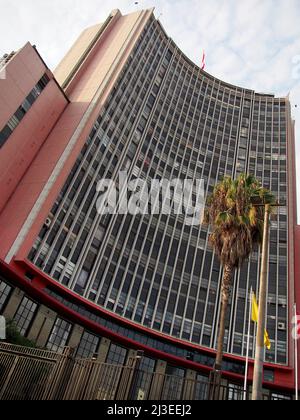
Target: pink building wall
{"type": "Point", "coordinates": [22, 74]}
{"type": "Point", "coordinates": [36, 191]}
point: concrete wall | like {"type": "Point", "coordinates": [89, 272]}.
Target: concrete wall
{"type": "Point", "coordinates": [103, 350]}
{"type": "Point", "coordinates": [75, 337]}
{"type": "Point", "coordinates": [42, 326]}
{"type": "Point", "coordinates": [22, 74]}
{"type": "Point", "coordinates": [158, 382]}
{"type": "Point", "coordinates": [14, 303]}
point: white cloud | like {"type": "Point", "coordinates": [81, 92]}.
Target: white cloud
{"type": "Point", "coordinates": [250, 43]}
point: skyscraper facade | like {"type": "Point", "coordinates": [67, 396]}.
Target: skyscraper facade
{"type": "Point", "coordinates": [125, 98]}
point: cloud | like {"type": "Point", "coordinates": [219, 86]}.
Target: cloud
{"type": "Point", "coordinates": [250, 43]}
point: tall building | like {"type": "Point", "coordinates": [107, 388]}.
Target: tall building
{"type": "Point", "coordinates": [126, 98]}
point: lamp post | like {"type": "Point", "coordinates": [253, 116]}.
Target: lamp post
{"type": "Point", "coordinates": [257, 393]}
{"type": "Point", "coordinates": [261, 325]}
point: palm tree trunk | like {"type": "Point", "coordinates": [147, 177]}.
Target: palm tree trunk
{"type": "Point", "coordinates": [226, 289]}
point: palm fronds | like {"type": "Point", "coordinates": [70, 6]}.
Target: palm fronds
{"type": "Point", "coordinates": [235, 213]}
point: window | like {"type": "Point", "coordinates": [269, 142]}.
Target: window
{"type": "Point", "coordinates": [88, 345]}
{"type": "Point", "coordinates": [81, 283]}
{"type": "Point", "coordinates": [235, 392]}
{"type": "Point", "coordinates": [111, 377]}
{"type": "Point", "coordinates": [59, 336]}
{"type": "Point", "coordinates": [5, 291]}
{"type": "Point", "coordinates": [4, 134]}
{"type": "Point", "coordinates": [142, 125]}
{"type": "Point", "coordinates": [13, 122]}
{"type": "Point", "coordinates": [117, 355]}
{"type": "Point", "coordinates": [144, 378]}
{"type": "Point", "coordinates": [269, 375]}
{"type": "Point", "coordinates": [98, 236]}
{"type": "Point", "coordinates": [280, 397]}
{"type": "Point", "coordinates": [201, 389]}
{"type": "Point", "coordinates": [173, 386]}
{"type": "Point", "coordinates": [25, 315]}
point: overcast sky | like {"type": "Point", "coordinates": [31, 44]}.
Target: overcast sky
{"type": "Point", "coordinates": [251, 43]}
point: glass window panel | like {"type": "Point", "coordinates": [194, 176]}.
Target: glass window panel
{"type": "Point", "coordinates": [25, 315]}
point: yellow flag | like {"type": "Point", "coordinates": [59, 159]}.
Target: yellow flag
{"type": "Point", "coordinates": [254, 309]}
{"type": "Point", "coordinates": [255, 319]}
{"type": "Point", "coordinates": [267, 341]}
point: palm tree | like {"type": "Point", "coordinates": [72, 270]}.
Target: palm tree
{"type": "Point", "coordinates": [235, 213]}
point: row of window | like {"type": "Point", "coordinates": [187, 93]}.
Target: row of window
{"type": "Point", "coordinates": [174, 378]}
{"type": "Point", "coordinates": [90, 343]}
{"type": "Point", "coordinates": [148, 341]}
{"type": "Point", "coordinates": [15, 120]}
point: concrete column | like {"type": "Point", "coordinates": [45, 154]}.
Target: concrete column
{"type": "Point", "coordinates": [13, 304]}
{"type": "Point", "coordinates": [42, 326]}
{"type": "Point", "coordinates": [75, 337]}
{"type": "Point", "coordinates": [161, 367]}
{"type": "Point", "coordinates": [158, 381]}
{"type": "Point", "coordinates": [125, 377]}
{"type": "Point", "coordinates": [189, 385]}
{"type": "Point", "coordinates": [103, 350]}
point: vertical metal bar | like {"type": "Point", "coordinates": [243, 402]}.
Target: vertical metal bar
{"type": "Point", "coordinates": [9, 376]}
{"type": "Point", "coordinates": [296, 355]}
{"type": "Point", "coordinates": [260, 345]}
{"type": "Point", "coordinates": [248, 346]}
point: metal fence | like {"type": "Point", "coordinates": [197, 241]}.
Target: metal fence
{"type": "Point", "coordinates": [32, 374]}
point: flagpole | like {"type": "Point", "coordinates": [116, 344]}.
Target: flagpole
{"type": "Point", "coordinates": [257, 394]}
{"type": "Point", "coordinates": [248, 347]}
{"type": "Point", "coordinates": [296, 355]}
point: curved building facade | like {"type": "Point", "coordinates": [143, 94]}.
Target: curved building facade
{"type": "Point", "coordinates": [136, 103]}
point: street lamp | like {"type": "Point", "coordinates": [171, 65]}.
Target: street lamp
{"type": "Point", "coordinates": [257, 392]}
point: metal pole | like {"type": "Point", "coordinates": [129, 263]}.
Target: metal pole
{"type": "Point", "coordinates": [248, 347]}
{"type": "Point", "coordinates": [260, 345]}
{"type": "Point", "coordinates": [296, 355]}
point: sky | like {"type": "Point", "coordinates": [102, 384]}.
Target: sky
{"type": "Point", "coordinates": [251, 43]}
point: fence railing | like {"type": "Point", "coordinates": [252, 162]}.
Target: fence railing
{"type": "Point", "coordinates": [32, 374]}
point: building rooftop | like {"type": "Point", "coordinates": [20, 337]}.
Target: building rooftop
{"type": "Point", "coordinates": [6, 58]}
